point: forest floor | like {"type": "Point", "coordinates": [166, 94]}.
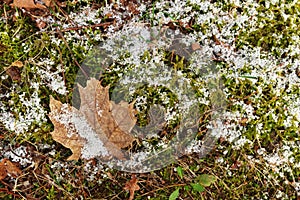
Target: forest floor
{"type": "Point", "coordinates": [252, 47]}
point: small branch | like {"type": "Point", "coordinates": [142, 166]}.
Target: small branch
{"type": "Point", "coordinates": [89, 26]}
{"type": "Point", "coordinates": [72, 55]}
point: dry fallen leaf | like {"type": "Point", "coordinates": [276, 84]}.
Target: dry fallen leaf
{"type": "Point", "coordinates": [196, 46]}
{"type": "Point", "coordinates": [14, 70]}
{"type": "Point", "coordinates": [64, 132]}
{"type": "Point", "coordinates": [48, 3]}
{"type": "Point", "coordinates": [124, 114]}
{"type": "Point", "coordinates": [132, 186]}
{"type": "Point", "coordinates": [27, 4]}
{"type": "Point", "coordinates": [7, 167]}
{"type": "Point", "coordinates": [17, 63]}
{"type": "Point", "coordinates": [132, 7]}
{"type": "Point", "coordinates": [109, 123]}
{"type": "Point", "coordinates": [97, 109]}
{"type": "Point", "coordinates": [14, 73]}
{"type": "Point", "coordinates": [3, 172]}
{"type": "Point", "coordinates": [40, 24]}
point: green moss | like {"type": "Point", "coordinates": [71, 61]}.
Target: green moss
{"type": "Point", "coordinates": [238, 177]}
{"type": "Point", "coordinates": [274, 29]}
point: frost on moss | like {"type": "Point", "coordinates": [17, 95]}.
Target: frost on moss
{"type": "Point", "coordinates": [256, 46]}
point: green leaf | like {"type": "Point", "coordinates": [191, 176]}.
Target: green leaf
{"type": "Point", "coordinates": [179, 172]}
{"type": "Point", "coordinates": [206, 179]}
{"type": "Point", "coordinates": [174, 194]}
{"type": "Point", "coordinates": [187, 188]}
{"type": "Point", "coordinates": [197, 187]}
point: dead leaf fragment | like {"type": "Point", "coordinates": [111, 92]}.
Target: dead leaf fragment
{"type": "Point", "coordinates": [48, 3]}
{"type": "Point", "coordinates": [17, 63]}
{"type": "Point", "coordinates": [64, 131]}
{"type": "Point", "coordinates": [298, 72]}
{"type": "Point", "coordinates": [132, 186]}
{"type": "Point", "coordinates": [94, 106]}
{"type": "Point", "coordinates": [98, 110]}
{"type": "Point", "coordinates": [132, 7]}
{"type": "Point", "coordinates": [96, 98]}
{"type": "Point", "coordinates": [14, 70]}
{"type": "Point", "coordinates": [40, 24]}
{"type": "Point", "coordinates": [3, 172]}
{"type": "Point", "coordinates": [14, 73]}
{"type": "Point", "coordinates": [196, 46]}
{"type": "Point", "coordinates": [7, 167]}
{"type": "Point", "coordinates": [244, 121]}
{"type": "Point", "coordinates": [124, 115]}
{"type": "Point", "coordinates": [28, 4]}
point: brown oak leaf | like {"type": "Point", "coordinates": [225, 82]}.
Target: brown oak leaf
{"type": "Point", "coordinates": [7, 167]}
{"type": "Point", "coordinates": [99, 128]}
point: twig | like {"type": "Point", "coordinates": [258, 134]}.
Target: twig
{"type": "Point", "coordinates": [87, 26]}
{"type": "Point", "coordinates": [9, 192]}
{"type": "Point", "coordinates": [72, 55]}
